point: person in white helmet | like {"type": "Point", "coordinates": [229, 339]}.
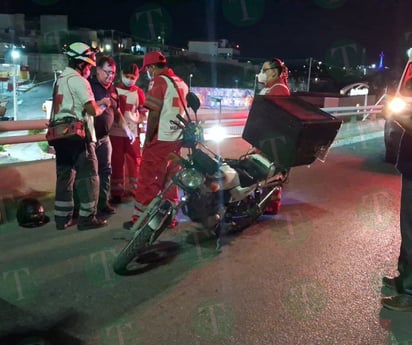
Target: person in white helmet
{"type": "Point", "coordinates": [76, 163]}
{"type": "Point", "coordinates": [162, 137]}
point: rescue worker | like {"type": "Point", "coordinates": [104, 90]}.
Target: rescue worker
{"type": "Point", "coordinates": [162, 137]}
{"type": "Point", "coordinates": [102, 86]}
{"type": "Point", "coordinates": [274, 76]}
{"type": "Point", "coordinates": [126, 156]}
{"type": "Point", "coordinates": [76, 163]}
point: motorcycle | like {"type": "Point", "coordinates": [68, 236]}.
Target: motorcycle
{"type": "Point", "coordinates": [223, 195]}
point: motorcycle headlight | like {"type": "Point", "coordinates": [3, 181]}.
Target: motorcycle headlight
{"type": "Point", "coordinates": [191, 178]}
{"type": "Point", "coordinates": [397, 105]}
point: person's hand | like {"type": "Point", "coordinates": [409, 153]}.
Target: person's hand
{"type": "Point", "coordinates": [130, 135]}
{"type": "Point", "coordinates": [104, 101]}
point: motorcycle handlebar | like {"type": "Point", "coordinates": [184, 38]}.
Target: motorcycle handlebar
{"type": "Point", "coordinates": [177, 124]}
{"type": "Point", "coordinates": [181, 118]}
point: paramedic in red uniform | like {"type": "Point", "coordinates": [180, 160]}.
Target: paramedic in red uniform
{"type": "Point", "coordinates": [162, 137]}
{"type": "Point", "coordinates": [126, 156]}
{"type": "Point", "coordinates": [274, 76]}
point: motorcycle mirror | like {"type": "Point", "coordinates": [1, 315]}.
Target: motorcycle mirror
{"type": "Point", "coordinates": [193, 101]}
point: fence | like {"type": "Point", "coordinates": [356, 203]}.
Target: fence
{"type": "Point", "coordinates": [233, 122]}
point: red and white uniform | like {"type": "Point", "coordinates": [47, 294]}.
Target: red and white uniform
{"type": "Point", "coordinates": [73, 91]}
{"type": "Point", "coordinates": [275, 88]}
{"type": "Point", "coordinates": [126, 157]}
{"type": "Point", "coordinates": [156, 170]}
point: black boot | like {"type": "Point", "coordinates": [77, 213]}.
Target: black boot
{"type": "Point", "coordinates": [90, 222]}
{"type": "Point", "coordinates": [403, 285]}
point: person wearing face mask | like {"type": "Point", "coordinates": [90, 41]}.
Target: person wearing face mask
{"type": "Point", "coordinates": [274, 76]}
{"type": "Point", "coordinates": [164, 99]}
{"type": "Point", "coordinates": [103, 88]}
{"type": "Point", "coordinates": [126, 156]}
{"type": "Point", "coordinates": [76, 162]}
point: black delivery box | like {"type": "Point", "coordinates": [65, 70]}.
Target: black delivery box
{"type": "Point", "coordinates": [289, 130]}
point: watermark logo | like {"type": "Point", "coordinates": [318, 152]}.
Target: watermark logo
{"type": "Point", "coordinates": [376, 209]}
{"type": "Point", "coordinates": [151, 22]}
{"type": "Point", "coordinates": [291, 229]}
{"type": "Point", "coordinates": [98, 266]}
{"type": "Point", "coordinates": [330, 4]}
{"type": "Point", "coordinates": [122, 332]}
{"type": "Point", "coordinates": [243, 12]}
{"type": "Point", "coordinates": [18, 285]}
{"type": "Point", "coordinates": [343, 58]}
{"type": "Point", "coordinates": [306, 300]}
{"type": "Point", "coordinates": [213, 321]}
{"type": "Point", "coordinates": [405, 43]}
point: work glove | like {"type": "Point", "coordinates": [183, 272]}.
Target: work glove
{"type": "Point", "coordinates": [130, 135]}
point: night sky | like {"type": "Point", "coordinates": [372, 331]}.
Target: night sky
{"type": "Point", "coordinates": [289, 29]}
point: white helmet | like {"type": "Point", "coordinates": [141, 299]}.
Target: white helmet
{"type": "Point", "coordinates": [80, 51]}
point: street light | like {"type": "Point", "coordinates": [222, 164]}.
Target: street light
{"type": "Point", "coordinates": [236, 82]}
{"type": "Point", "coordinates": [15, 55]}
{"type": "Point", "coordinates": [190, 80]}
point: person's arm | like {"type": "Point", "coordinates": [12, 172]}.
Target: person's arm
{"type": "Point", "coordinates": [152, 126]}
{"type": "Point", "coordinates": [120, 120]}
{"type": "Point", "coordinates": [94, 108]}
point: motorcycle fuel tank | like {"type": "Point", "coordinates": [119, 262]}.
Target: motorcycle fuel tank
{"type": "Point", "coordinates": [289, 130]}
{"type": "Point", "coordinates": [230, 177]}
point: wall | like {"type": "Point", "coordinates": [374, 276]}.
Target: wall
{"type": "Point", "coordinates": [46, 62]}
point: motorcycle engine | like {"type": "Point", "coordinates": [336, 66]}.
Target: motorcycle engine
{"type": "Point", "coordinates": [204, 207]}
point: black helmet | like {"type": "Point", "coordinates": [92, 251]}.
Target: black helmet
{"type": "Point", "coordinates": [81, 51]}
{"type": "Point", "coordinates": [30, 213]}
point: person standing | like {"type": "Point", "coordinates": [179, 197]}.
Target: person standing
{"type": "Point", "coordinates": [126, 156]}
{"type": "Point", "coordinates": [164, 99]}
{"type": "Point", "coordinates": [103, 88]}
{"type": "Point", "coordinates": [402, 284]}
{"type": "Point", "coordinates": [274, 76]}
{"type": "Point", "coordinates": [76, 163]}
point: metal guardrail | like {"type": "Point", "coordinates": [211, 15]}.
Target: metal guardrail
{"type": "Point", "coordinates": [233, 122]}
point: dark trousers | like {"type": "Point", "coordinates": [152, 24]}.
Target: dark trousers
{"type": "Point", "coordinates": [405, 255]}
{"type": "Point", "coordinates": [76, 168]}
{"type": "Point", "coordinates": [104, 160]}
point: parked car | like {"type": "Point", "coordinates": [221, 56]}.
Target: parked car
{"type": "Point", "coordinates": [399, 103]}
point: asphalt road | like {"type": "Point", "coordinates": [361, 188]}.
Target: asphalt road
{"type": "Point", "coordinates": [310, 275]}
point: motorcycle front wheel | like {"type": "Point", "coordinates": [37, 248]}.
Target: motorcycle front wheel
{"type": "Point", "coordinates": [133, 249]}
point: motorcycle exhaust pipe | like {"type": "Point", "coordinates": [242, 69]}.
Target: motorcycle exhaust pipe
{"type": "Point", "coordinates": [268, 195]}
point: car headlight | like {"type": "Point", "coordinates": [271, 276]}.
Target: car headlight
{"type": "Point", "coordinates": [397, 105]}
{"type": "Point", "coordinates": [191, 178]}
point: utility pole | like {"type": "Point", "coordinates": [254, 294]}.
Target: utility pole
{"type": "Point", "coordinates": [309, 73]}
{"type": "Point", "coordinates": [112, 31]}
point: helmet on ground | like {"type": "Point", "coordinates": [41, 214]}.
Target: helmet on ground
{"type": "Point", "coordinates": [81, 51]}
{"type": "Point", "coordinates": [153, 58]}
{"type": "Point", "coordinates": [30, 213]}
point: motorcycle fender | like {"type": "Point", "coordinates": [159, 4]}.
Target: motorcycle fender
{"type": "Point", "coordinates": [163, 213]}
